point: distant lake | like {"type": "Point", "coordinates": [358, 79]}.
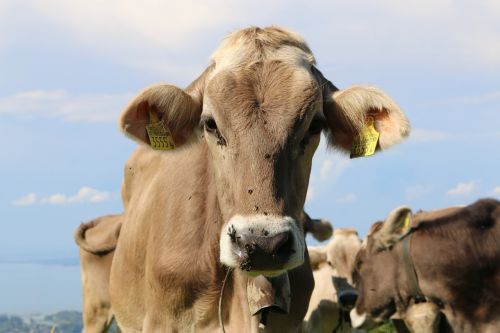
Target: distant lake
{"type": "Point", "coordinates": [45, 287]}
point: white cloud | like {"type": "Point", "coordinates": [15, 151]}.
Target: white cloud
{"type": "Point", "coordinates": [457, 33]}
{"type": "Point", "coordinates": [84, 195]}
{"type": "Point", "coordinates": [88, 194]}
{"type": "Point", "coordinates": [496, 190]}
{"type": "Point", "coordinates": [423, 135]}
{"type": "Point", "coordinates": [27, 200]}
{"type": "Point", "coordinates": [332, 168]}
{"type": "Point", "coordinates": [54, 199]}
{"type": "Point", "coordinates": [60, 104]}
{"type": "Point", "coordinates": [348, 198]}
{"type": "Point", "coordinates": [417, 191]}
{"type": "Point", "coordinates": [463, 188]}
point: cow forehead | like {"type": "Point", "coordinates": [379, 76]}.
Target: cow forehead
{"type": "Point", "coordinates": [255, 44]}
{"type": "Point", "coordinates": [343, 248]}
{"type": "Point", "coordinates": [263, 89]}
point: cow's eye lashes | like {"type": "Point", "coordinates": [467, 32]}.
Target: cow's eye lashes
{"type": "Point", "coordinates": [209, 124]}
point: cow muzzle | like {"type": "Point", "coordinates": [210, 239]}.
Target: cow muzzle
{"type": "Point", "coordinates": [346, 294]}
{"type": "Point", "coordinates": [259, 244]}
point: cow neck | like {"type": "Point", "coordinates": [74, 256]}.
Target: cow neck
{"type": "Point", "coordinates": [409, 267]}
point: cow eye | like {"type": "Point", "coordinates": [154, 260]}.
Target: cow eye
{"type": "Point", "coordinates": [209, 124]}
{"type": "Point", "coordinates": [317, 125]}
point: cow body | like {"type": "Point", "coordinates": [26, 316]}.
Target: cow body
{"type": "Point", "coordinates": [232, 193]}
{"type": "Point", "coordinates": [97, 240]}
{"type": "Point", "coordinates": [456, 258]}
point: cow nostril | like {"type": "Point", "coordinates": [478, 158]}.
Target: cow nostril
{"type": "Point", "coordinates": [282, 244]}
{"type": "Point", "coordinates": [348, 298]}
{"type": "Point", "coordinates": [231, 232]}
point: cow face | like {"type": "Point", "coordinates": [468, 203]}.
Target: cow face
{"type": "Point", "coordinates": [340, 256]}
{"type": "Point", "coordinates": [376, 274]}
{"type": "Point", "coordinates": [259, 109]}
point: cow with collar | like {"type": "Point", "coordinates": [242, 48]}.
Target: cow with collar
{"type": "Point", "coordinates": [448, 258]}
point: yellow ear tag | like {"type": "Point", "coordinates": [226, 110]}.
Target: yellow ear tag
{"type": "Point", "coordinates": [366, 142]}
{"type": "Point", "coordinates": [159, 136]}
{"type": "Point", "coordinates": [406, 223]}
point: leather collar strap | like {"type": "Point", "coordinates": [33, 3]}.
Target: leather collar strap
{"type": "Point", "coordinates": [415, 291]}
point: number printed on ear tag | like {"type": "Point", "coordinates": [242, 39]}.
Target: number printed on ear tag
{"type": "Point", "coordinates": [366, 142]}
{"type": "Point", "coordinates": [160, 137]}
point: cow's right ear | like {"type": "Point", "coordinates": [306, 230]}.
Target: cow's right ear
{"type": "Point", "coordinates": [178, 112]}
{"type": "Point", "coordinates": [394, 226]}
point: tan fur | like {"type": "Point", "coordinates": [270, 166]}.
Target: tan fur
{"type": "Point", "coordinates": [164, 98]}
{"type": "Point", "coordinates": [352, 104]}
{"type": "Point", "coordinates": [323, 314]}
{"type": "Point", "coordinates": [392, 229]}
{"type": "Point", "coordinates": [263, 94]}
{"type": "Point", "coordinates": [97, 240]}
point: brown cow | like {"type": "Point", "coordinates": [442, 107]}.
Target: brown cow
{"type": "Point", "coordinates": [450, 258]}
{"type": "Point", "coordinates": [230, 196]}
{"type": "Point", "coordinates": [97, 241]}
{"type": "Point", "coordinates": [332, 267]}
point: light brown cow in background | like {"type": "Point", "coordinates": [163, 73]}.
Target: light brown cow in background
{"type": "Point", "coordinates": [97, 241]}
{"type": "Point", "coordinates": [332, 269]}
{"type": "Point", "coordinates": [227, 202]}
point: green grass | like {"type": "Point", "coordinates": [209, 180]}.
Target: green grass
{"type": "Point", "coordinates": [385, 328]}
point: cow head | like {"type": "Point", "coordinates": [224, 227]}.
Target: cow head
{"type": "Point", "coordinates": [376, 271]}
{"type": "Point", "coordinates": [259, 109]}
{"type": "Point", "coordinates": [340, 255]}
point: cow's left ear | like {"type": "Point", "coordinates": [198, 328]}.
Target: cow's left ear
{"type": "Point", "coordinates": [349, 111]}
{"type": "Point", "coordinates": [394, 226]}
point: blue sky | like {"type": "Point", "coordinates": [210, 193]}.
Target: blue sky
{"type": "Point", "coordinates": [67, 68]}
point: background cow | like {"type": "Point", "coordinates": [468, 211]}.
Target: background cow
{"type": "Point", "coordinates": [332, 269]}
{"type": "Point", "coordinates": [97, 241]}
{"type": "Point", "coordinates": [455, 258]}
{"type": "Point", "coordinates": [231, 194]}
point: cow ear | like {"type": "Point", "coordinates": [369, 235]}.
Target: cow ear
{"type": "Point", "coordinates": [321, 229]}
{"type": "Point", "coordinates": [349, 111]}
{"type": "Point", "coordinates": [394, 226]}
{"type": "Point", "coordinates": [317, 255]}
{"type": "Point", "coordinates": [99, 236]}
{"type": "Point", "coordinates": [177, 111]}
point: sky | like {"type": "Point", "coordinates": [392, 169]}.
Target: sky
{"type": "Point", "coordinates": [68, 68]}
